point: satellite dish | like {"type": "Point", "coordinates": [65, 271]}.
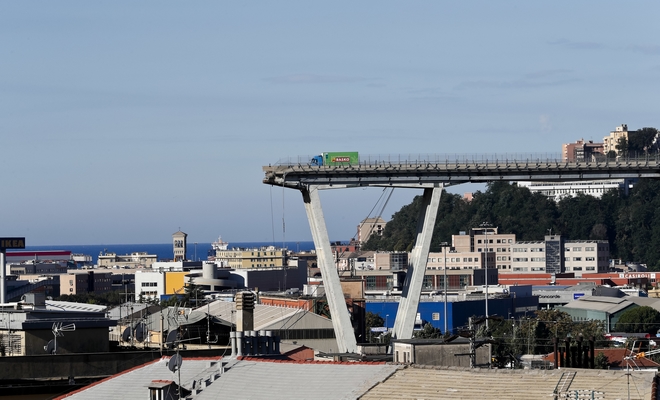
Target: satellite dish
{"type": "Point", "coordinates": [126, 335]}
{"type": "Point", "coordinates": [50, 347]}
{"type": "Point", "coordinates": [140, 331]}
{"type": "Point", "coordinates": [170, 342]}
{"type": "Point", "coordinates": [175, 362]}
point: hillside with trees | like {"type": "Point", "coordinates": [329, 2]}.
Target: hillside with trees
{"type": "Point", "coordinates": [630, 223]}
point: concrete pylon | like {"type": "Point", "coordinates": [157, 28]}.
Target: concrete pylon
{"type": "Point", "coordinates": [341, 320]}
{"type": "Point", "coordinates": [412, 287]}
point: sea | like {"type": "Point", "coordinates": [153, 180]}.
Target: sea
{"type": "Point", "coordinates": [164, 251]}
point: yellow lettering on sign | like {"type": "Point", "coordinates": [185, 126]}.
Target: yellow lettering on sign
{"type": "Point", "coordinates": [13, 243]}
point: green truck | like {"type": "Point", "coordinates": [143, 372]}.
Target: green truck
{"type": "Point", "coordinates": [337, 158]}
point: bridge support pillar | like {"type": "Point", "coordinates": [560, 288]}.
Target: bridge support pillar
{"type": "Point", "coordinates": [412, 287]}
{"type": "Point", "coordinates": [341, 320]}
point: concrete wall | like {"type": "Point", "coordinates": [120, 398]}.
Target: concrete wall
{"type": "Point", "coordinates": [85, 365]}
{"type": "Point", "coordinates": [438, 354]}
{"type": "Point", "coordinates": [79, 341]}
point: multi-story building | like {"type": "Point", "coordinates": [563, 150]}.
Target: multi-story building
{"type": "Point", "coordinates": [610, 142]}
{"type": "Point", "coordinates": [262, 257]}
{"type": "Point", "coordinates": [581, 151]}
{"type": "Point", "coordinates": [555, 256]}
{"type": "Point", "coordinates": [133, 260]}
{"type": "Point", "coordinates": [560, 190]}
{"type": "Point", "coordinates": [486, 240]}
{"type": "Point", "coordinates": [370, 226]}
{"type": "Point", "coordinates": [85, 282]}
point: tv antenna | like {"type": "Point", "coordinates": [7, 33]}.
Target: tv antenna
{"type": "Point", "coordinates": [58, 331]}
{"type": "Point", "coordinates": [208, 327]}
{"type": "Point", "coordinates": [175, 337]}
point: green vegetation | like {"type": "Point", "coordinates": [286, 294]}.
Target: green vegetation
{"type": "Point", "coordinates": [428, 331]}
{"type": "Point", "coordinates": [600, 361]}
{"type": "Point", "coordinates": [630, 223]}
{"type": "Point", "coordinates": [111, 299]}
{"type": "Point", "coordinates": [535, 335]}
{"type": "Point", "coordinates": [642, 319]}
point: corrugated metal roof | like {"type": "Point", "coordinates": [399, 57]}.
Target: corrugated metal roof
{"type": "Point", "coordinates": [52, 305]}
{"type": "Point", "coordinates": [271, 317]}
{"type": "Point", "coordinates": [608, 305]}
{"type": "Point", "coordinates": [134, 383]}
{"type": "Point", "coordinates": [297, 380]}
{"type": "Point", "coordinates": [246, 379]}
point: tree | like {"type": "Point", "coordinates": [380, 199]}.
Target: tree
{"type": "Point", "coordinates": [622, 147]}
{"type": "Point", "coordinates": [640, 142]}
{"type": "Point", "coordinates": [642, 319]}
{"type": "Point", "coordinates": [600, 361]}
{"type": "Point", "coordinates": [535, 335]}
{"type": "Point", "coordinates": [372, 320]}
{"type": "Point", "coordinates": [428, 331]}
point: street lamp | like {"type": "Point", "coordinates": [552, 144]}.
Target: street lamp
{"type": "Point", "coordinates": [485, 226]}
{"type": "Point", "coordinates": [444, 247]}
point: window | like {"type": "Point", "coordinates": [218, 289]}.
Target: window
{"type": "Point", "coordinates": [577, 248]}
{"type": "Point", "coordinates": [577, 258]}
{"type": "Point", "coordinates": [588, 249]}
{"type": "Point", "coordinates": [590, 259]}
{"type": "Point", "coordinates": [435, 316]}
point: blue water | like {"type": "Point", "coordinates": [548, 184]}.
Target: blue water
{"type": "Point", "coordinates": [199, 251]}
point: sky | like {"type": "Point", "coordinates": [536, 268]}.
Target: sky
{"type": "Point", "coordinates": [123, 122]}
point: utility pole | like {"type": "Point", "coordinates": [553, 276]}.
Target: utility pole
{"type": "Point", "coordinates": [444, 246]}
{"type": "Point", "coordinates": [473, 350]}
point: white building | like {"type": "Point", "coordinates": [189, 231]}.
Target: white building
{"type": "Point", "coordinates": [554, 255]}
{"type": "Point", "coordinates": [560, 190]}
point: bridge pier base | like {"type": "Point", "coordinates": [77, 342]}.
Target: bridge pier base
{"type": "Point", "coordinates": [412, 287]}
{"type": "Point", "coordinates": [341, 320]}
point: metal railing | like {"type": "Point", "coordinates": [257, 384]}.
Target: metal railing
{"type": "Point", "coordinates": [494, 158]}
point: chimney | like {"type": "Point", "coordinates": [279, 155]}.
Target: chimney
{"type": "Point", "coordinates": [244, 311]}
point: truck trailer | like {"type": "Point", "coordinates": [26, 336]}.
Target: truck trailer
{"type": "Point", "coordinates": [336, 158]}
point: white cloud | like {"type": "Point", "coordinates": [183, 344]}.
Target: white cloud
{"type": "Point", "coordinates": [544, 121]}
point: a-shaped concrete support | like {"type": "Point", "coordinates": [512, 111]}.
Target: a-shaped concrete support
{"type": "Point", "coordinates": [412, 287]}
{"type": "Point", "coordinates": [341, 320]}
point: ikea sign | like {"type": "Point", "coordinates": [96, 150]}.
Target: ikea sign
{"type": "Point", "coordinates": [12, 243]}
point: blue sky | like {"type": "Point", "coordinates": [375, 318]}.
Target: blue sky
{"type": "Point", "coordinates": [122, 122]}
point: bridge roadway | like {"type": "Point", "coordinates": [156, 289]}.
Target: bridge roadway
{"type": "Point", "coordinates": [428, 174]}
{"type": "Point", "coordinates": [432, 177]}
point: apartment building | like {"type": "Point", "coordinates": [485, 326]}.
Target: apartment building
{"type": "Point", "coordinates": [581, 151]}
{"type": "Point", "coordinates": [554, 255]}
{"type": "Point", "coordinates": [263, 257]}
{"type": "Point", "coordinates": [85, 282]}
{"type": "Point", "coordinates": [370, 226]}
{"type": "Point", "coordinates": [610, 142]}
{"type": "Point", "coordinates": [486, 240]}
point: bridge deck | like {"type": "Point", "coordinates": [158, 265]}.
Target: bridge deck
{"type": "Point", "coordinates": [426, 174]}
